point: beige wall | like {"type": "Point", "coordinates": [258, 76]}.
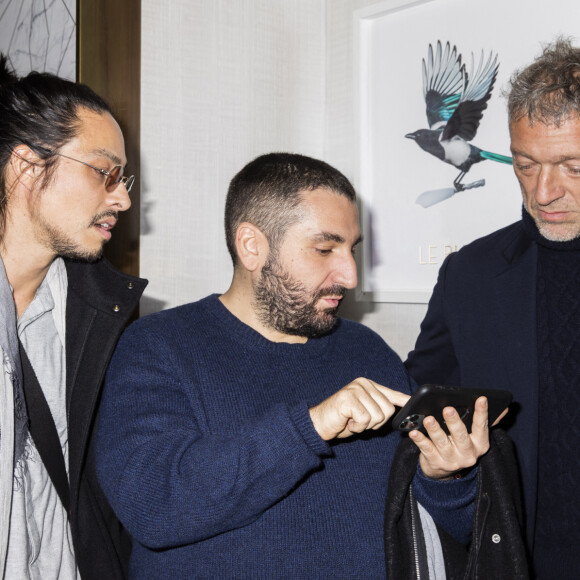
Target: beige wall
{"type": "Point", "coordinates": [222, 82]}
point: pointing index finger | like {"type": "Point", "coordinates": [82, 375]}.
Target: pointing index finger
{"type": "Point", "coordinates": [396, 397]}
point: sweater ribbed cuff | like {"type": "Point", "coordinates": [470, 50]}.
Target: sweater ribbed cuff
{"type": "Point", "coordinates": [300, 416]}
{"type": "Point", "coordinates": [447, 492]}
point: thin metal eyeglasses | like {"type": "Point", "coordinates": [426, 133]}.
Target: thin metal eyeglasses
{"type": "Point", "coordinates": [113, 177]}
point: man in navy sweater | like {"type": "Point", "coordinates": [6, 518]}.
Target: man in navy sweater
{"type": "Point", "coordinates": [229, 445]}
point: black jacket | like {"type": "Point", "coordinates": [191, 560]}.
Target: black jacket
{"type": "Point", "coordinates": [497, 549]}
{"type": "Point", "coordinates": [480, 331]}
{"type": "Point", "coordinates": [100, 301]}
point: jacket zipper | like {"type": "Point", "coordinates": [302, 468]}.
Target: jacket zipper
{"type": "Point", "coordinates": [414, 532]}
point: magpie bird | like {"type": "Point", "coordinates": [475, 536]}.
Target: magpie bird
{"type": "Point", "coordinates": [455, 101]}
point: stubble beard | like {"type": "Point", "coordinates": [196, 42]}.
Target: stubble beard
{"type": "Point", "coordinates": [284, 304]}
{"type": "Point", "coordinates": [558, 233]}
{"type": "Point", "coordinates": [563, 232]}
{"type": "Point", "coordinates": [64, 246]}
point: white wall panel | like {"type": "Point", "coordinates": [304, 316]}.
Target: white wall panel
{"type": "Point", "coordinates": [222, 82]}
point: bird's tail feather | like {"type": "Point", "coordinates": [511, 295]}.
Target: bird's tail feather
{"type": "Point", "coordinates": [496, 157]}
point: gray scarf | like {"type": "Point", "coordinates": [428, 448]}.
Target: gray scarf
{"type": "Point", "coordinates": [9, 342]}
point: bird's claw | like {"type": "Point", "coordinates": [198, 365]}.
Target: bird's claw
{"type": "Point", "coordinates": [472, 185]}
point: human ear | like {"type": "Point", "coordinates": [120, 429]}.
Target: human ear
{"type": "Point", "coordinates": [251, 246]}
{"type": "Point", "coordinates": [26, 166]}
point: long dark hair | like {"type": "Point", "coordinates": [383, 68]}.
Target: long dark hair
{"type": "Point", "coordinates": [40, 111]}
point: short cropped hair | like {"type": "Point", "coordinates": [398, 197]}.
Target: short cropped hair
{"type": "Point", "coordinates": [40, 111]}
{"type": "Point", "coordinates": [268, 191]}
{"type": "Point", "coordinates": [548, 90]}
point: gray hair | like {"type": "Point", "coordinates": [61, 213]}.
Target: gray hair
{"type": "Point", "coordinates": [548, 90]}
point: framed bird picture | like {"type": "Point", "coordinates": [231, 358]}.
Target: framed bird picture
{"type": "Point", "coordinates": [434, 170]}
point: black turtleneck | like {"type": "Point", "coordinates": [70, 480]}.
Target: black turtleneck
{"type": "Point", "coordinates": [558, 332]}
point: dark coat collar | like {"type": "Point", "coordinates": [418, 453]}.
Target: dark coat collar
{"type": "Point", "coordinates": [104, 288]}
{"type": "Point", "coordinates": [100, 302]}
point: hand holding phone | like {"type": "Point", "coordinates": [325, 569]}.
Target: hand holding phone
{"type": "Point", "coordinates": [448, 449]}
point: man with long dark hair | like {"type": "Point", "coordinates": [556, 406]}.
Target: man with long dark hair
{"type": "Point", "coordinates": [62, 308]}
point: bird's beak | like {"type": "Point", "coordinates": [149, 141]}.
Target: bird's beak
{"type": "Point", "coordinates": [410, 136]}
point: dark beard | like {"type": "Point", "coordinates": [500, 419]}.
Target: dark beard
{"type": "Point", "coordinates": [65, 248]}
{"type": "Point", "coordinates": [75, 253]}
{"type": "Point", "coordinates": [284, 304]}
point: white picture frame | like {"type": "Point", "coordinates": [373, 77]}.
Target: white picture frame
{"type": "Point", "coordinates": [404, 243]}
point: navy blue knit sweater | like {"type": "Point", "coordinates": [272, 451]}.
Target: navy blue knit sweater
{"type": "Point", "coordinates": [207, 453]}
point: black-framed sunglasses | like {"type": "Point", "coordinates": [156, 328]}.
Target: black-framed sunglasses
{"type": "Point", "coordinates": [113, 177]}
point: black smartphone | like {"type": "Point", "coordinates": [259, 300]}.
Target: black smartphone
{"type": "Point", "coordinates": [430, 400]}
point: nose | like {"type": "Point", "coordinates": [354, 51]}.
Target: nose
{"type": "Point", "coordinates": [549, 187]}
{"type": "Point", "coordinates": [119, 198]}
{"type": "Point", "coordinates": [345, 273]}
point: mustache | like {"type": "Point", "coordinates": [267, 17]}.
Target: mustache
{"type": "Point", "coordinates": [103, 215]}
{"type": "Point", "coordinates": [334, 290]}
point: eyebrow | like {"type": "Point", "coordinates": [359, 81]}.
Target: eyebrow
{"type": "Point", "coordinates": [330, 237]}
{"type": "Point", "coordinates": [560, 159]}
{"type": "Point", "coordinates": [102, 152]}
